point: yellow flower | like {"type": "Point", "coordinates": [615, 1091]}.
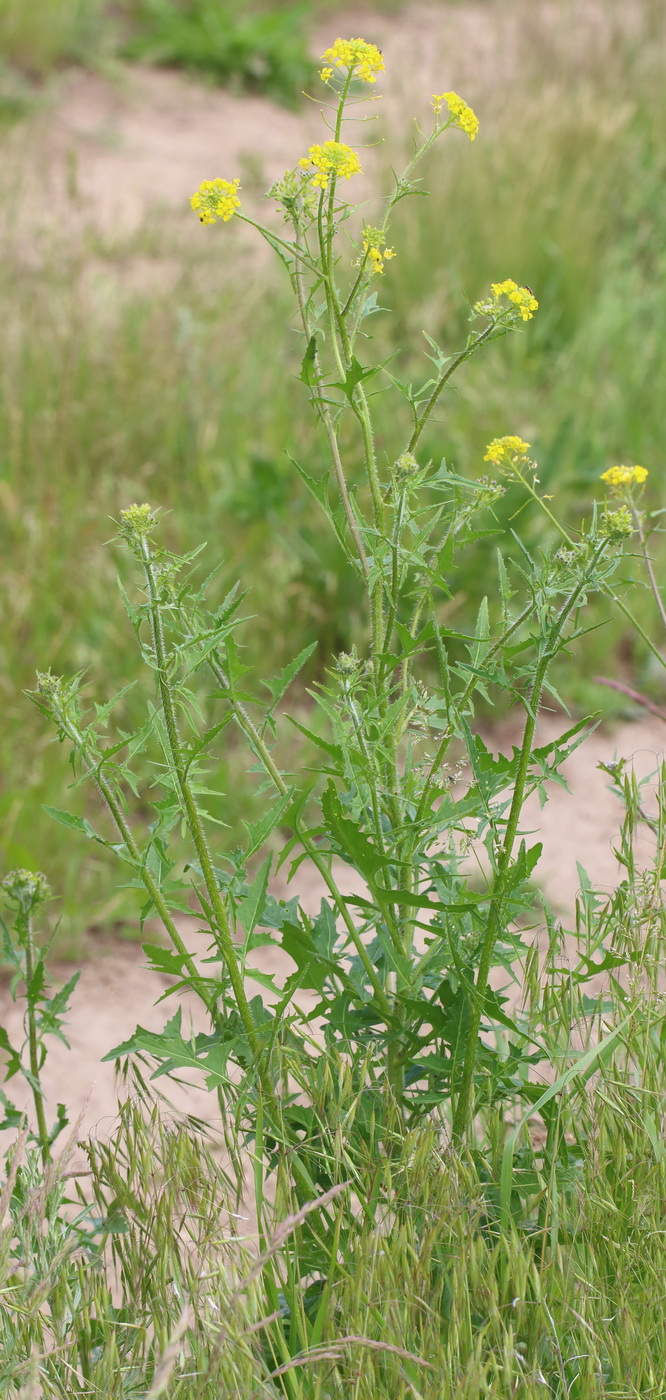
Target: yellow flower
{"type": "Point", "coordinates": [216, 199]}
{"type": "Point", "coordinates": [365, 61]}
{"type": "Point", "coordinates": [333, 158]}
{"type": "Point", "coordinates": [461, 115]}
{"type": "Point", "coordinates": [373, 245]}
{"type": "Point", "coordinates": [504, 450]}
{"type": "Point", "coordinates": [625, 476]}
{"type": "Point", "coordinates": [325, 74]}
{"type": "Point", "coordinates": [522, 297]}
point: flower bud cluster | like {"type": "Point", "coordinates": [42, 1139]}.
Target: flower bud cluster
{"type": "Point", "coordinates": [489, 491]}
{"type": "Point", "coordinates": [349, 665]}
{"type": "Point", "coordinates": [27, 888]}
{"type": "Point", "coordinates": [405, 470]}
{"type": "Point", "coordinates": [616, 525]}
{"type": "Point", "coordinates": [52, 689]}
{"type": "Point", "coordinates": [295, 194]}
{"type": "Point", "coordinates": [136, 522]}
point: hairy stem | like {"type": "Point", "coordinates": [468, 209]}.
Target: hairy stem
{"type": "Point", "coordinates": [33, 1048]}
{"type": "Point", "coordinates": [193, 816]}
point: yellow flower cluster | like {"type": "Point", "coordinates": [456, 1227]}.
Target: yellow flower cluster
{"type": "Point", "coordinates": [462, 115]}
{"type": "Point", "coordinates": [216, 199]}
{"type": "Point", "coordinates": [523, 297]}
{"type": "Point", "coordinates": [374, 241]}
{"type": "Point", "coordinates": [503, 451]}
{"type": "Point", "coordinates": [333, 158]}
{"type": "Point", "coordinates": [625, 476]}
{"type": "Point", "coordinates": [364, 60]}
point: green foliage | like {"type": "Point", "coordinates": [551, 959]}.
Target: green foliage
{"type": "Point", "coordinates": [260, 45]}
{"type": "Point", "coordinates": [38, 36]}
{"type": "Point", "coordinates": [147, 1277]}
{"type": "Point", "coordinates": [257, 46]}
{"type": "Point", "coordinates": [26, 962]}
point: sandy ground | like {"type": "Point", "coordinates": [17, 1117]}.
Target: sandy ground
{"type": "Point", "coordinates": [117, 991]}
{"type": "Point", "coordinates": [109, 150]}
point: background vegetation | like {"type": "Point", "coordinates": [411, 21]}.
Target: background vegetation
{"type": "Point", "coordinates": [110, 392]}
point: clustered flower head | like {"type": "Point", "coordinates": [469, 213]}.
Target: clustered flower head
{"type": "Point", "coordinates": [216, 199]}
{"type": "Point", "coordinates": [625, 476]}
{"type": "Point", "coordinates": [462, 116]}
{"type": "Point", "coordinates": [522, 297]}
{"type": "Point", "coordinates": [505, 451]}
{"type": "Point", "coordinates": [374, 245]}
{"type": "Point", "coordinates": [333, 158]}
{"type": "Point", "coordinates": [362, 60]}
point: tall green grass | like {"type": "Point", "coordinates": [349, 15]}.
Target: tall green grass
{"type": "Point", "coordinates": [157, 1285]}
{"type": "Point", "coordinates": [110, 392]}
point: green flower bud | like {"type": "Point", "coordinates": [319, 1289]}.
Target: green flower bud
{"type": "Point", "coordinates": [348, 665]}
{"type": "Point", "coordinates": [405, 469]}
{"type": "Point", "coordinates": [616, 525]}
{"type": "Point", "coordinates": [136, 523]}
{"type": "Point", "coordinates": [27, 888]}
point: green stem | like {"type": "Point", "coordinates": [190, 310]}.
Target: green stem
{"type": "Point", "coordinates": [327, 420]}
{"type": "Point", "coordinates": [463, 1109]}
{"type": "Point", "coordinates": [125, 832]}
{"type": "Point", "coordinates": [460, 704]}
{"type": "Point", "coordinates": [463, 1104]}
{"type": "Point", "coordinates": [193, 817]}
{"type": "Point", "coordinates": [443, 380]}
{"type": "Point", "coordinates": [272, 239]}
{"type": "Point", "coordinates": [605, 589]}
{"type": "Point", "coordinates": [395, 581]}
{"type": "Point", "coordinates": [33, 1048]}
{"type": "Point", "coordinates": [638, 521]}
{"type": "Point", "coordinates": [251, 733]}
{"type": "Point", "coordinates": [341, 348]}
